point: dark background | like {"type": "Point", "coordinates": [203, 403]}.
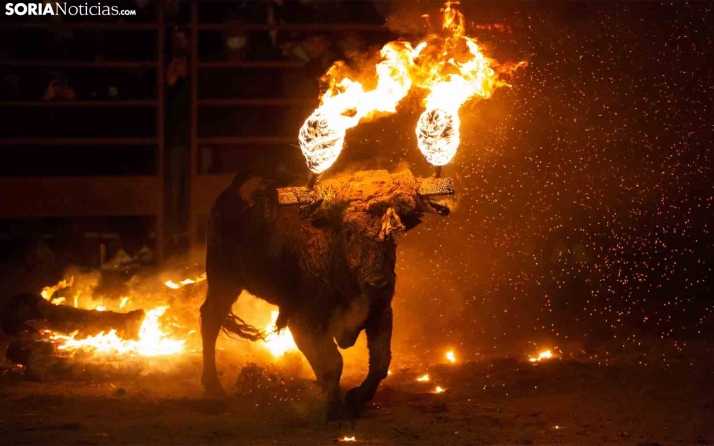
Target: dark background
{"type": "Point", "coordinates": [585, 190]}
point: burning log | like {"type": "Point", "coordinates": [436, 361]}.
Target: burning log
{"type": "Point", "coordinates": [32, 311]}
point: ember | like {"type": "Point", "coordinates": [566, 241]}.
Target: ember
{"type": "Point", "coordinates": [346, 438]}
{"type": "Point", "coordinates": [439, 390]}
{"type": "Point", "coordinates": [423, 378]}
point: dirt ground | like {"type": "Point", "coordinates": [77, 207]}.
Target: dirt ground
{"type": "Point", "coordinates": [491, 401]}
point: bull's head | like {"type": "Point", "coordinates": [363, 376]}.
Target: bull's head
{"type": "Point", "coordinates": [369, 210]}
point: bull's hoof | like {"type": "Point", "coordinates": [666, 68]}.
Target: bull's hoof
{"type": "Point", "coordinates": [355, 402]}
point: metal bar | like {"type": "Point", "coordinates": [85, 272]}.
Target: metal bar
{"type": "Point", "coordinates": [160, 133]}
{"type": "Point", "coordinates": [293, 27]}
{"type": "Point", "coordinates": [435, 186]}
{"type": "Point", "coordinates": [257, 102]}
{"type": "Point", "coordinates": [193, 164]}
{"type": "Point", "coordinates": [77, 141]}
{"type": "Point", "coordinates": [71, 104]}
{"type": "Point", "coordinates": [306, 195]}
{"type": "Point", "coordinates": [244, 140]}
{"type": "Point", "coordinates": [80, 64]}
{"type": "Point", "coordinates": [247, 64]}
{"type": "Point", "coordinates": [80, 25]}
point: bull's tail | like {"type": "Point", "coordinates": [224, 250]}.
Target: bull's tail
{"type": "Point", "coordinates": [234, 325]}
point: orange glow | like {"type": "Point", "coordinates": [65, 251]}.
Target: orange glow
{"type": "Point", "coordinates": [424, 378]}
{"type": "Point", "coordinates": [346, 438]}
{"type": "Point", "coordinates": [439, 390]}
{"type": "Point", "coordinates": [278, 343]}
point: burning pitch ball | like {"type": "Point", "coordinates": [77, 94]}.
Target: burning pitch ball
{"type": "Point", "coordinates": [438, 135]}
{"type": "Point", "coordinates": [321, 141]}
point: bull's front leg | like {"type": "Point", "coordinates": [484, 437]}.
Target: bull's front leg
{"type": "Point", "coordinates": [379, 339]}
{"type": "Point", "coordinates": [321, 352]}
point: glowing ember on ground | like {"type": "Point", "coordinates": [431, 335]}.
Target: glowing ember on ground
{"type": "Point", "coordinates": [424, 378]}
{"type": "Point", "coordinates": [152, 340]}
{"type": "Point", "coordinates": [546, 354]}
{"type": "Point", "coordinates": [450, 356]}
{"type": "Point", "coordinates": [346, 438]}
{"type": "Point", "coordinates": [278, 343]}
{"type": "Point", "coordinates": [439, 390]}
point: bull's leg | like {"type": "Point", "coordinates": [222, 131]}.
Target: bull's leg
{"type": "Point", "coordinates": [321, 352]}
{"type": "Point", "coordinates": [379, 338]}
{"type": "Point", "coordinates": [213, 313]}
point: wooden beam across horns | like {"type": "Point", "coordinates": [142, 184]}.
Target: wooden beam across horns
{"type": "Point", "coordinates": [424, 187]}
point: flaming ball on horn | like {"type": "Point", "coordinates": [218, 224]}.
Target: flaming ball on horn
{"type": "Point", "coordinates": [452, 69]}
{"type": "Point", "coordinates": [438, 136]}
{"type": "Point", "coordinates": [320, 141]}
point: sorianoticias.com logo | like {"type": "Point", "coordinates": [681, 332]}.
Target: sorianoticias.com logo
{"type": "Point", "coordinates": [65, 9]}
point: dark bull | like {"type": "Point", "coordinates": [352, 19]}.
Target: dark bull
{"type": "Point", "coordinates": [328, 266]}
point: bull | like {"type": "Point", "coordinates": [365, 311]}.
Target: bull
{"type": "Point", "coordinates": [329, 266]}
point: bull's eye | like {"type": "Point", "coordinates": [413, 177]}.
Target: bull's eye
{"type": "Point", "coordinates": [348, 235]}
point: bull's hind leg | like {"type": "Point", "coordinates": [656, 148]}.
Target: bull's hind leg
{"type": "Point", "coordinates": [321, 352]}
{"type": "Point", "coordinates": [379, 339]}
{"type": "Point", "coordinates": [214, 310]}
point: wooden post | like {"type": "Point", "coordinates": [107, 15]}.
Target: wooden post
{"type": "Point", "coordinates": [193, 128]}
{"type": "Point", "coordinates": [160, 132]}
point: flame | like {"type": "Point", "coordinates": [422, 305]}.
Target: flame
{"type": "Point", "coordinates": [449, 67]}
{"type": "Point", "coordinates": [175, 286]}
{"type": "Point", "coordinates": [546, 354]}
{"type": "Point", "coordinates": [48, 291]}
{"type": "Point", "coordinates": [346, 103]}
{"type": "Point", "coordinates": [152, 340]}
{"type": "Point", "coordinates": [424, 378]}
{"type": "Point", "coordinates": [439, 390]}
{"type": "Point", "coordinates": [278, 343]}
{"type": "Point", "coordinates": [123, 302]}
{"type": "Point", "coordinates": [450, 356]}
{"type": "Point", "coordinates": [452, 70]}
{"type": "Point", "coordinates": [346, 438]}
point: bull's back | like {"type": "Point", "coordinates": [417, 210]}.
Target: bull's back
{"type": "Point", "coordinates": [248, 240]}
